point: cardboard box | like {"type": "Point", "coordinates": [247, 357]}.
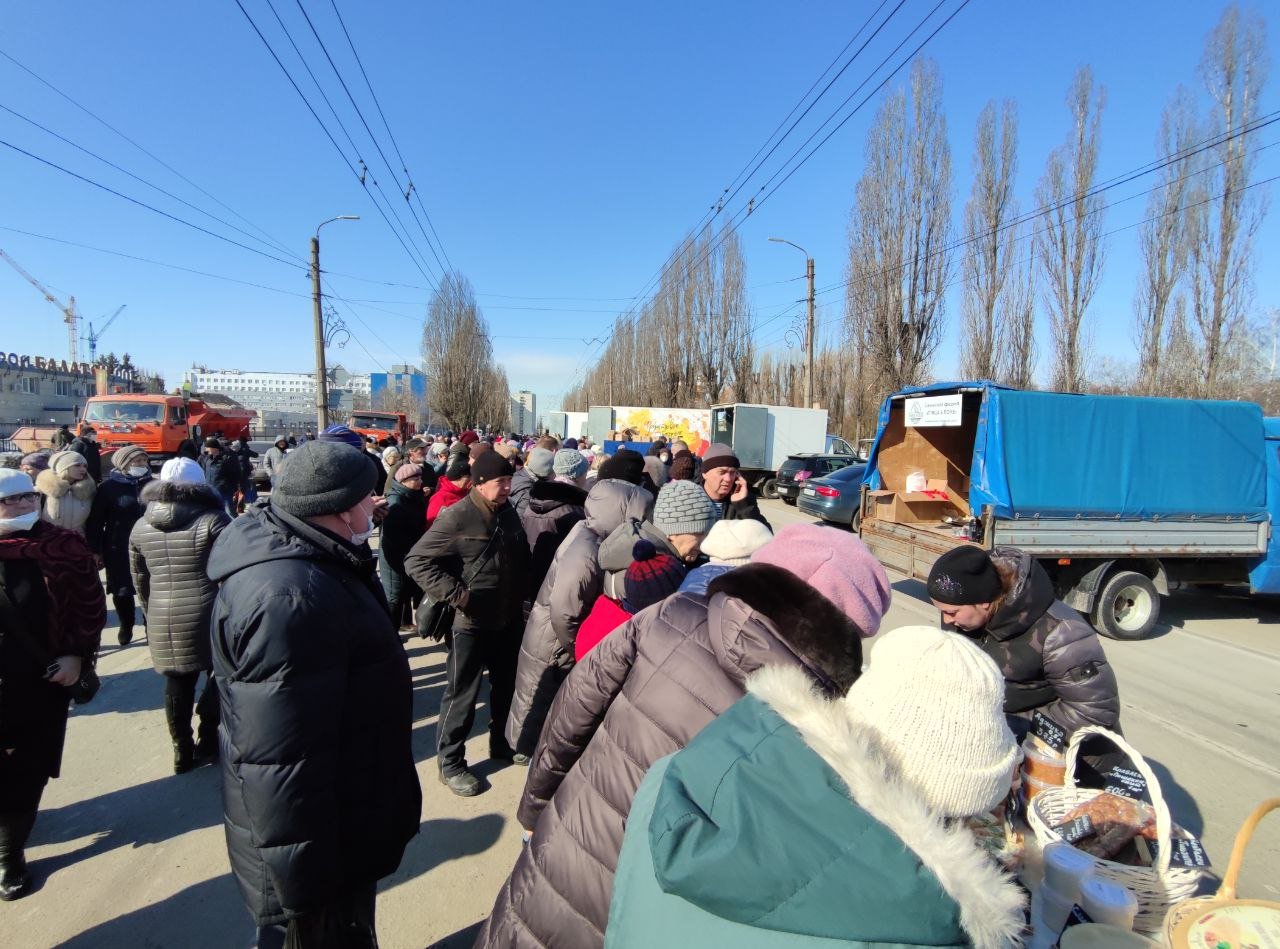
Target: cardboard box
{"type": "Point", "coordinates": [902, 507]}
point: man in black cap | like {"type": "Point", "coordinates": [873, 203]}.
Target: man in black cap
{"type": "Point", "coordinates": [223, 472]}
{"type": "Point", "coordinates": [722, 480]}
{"type": "Point", "coordinates": [320, 790]}
{"type": "Point", "coordinates": [476, 558]}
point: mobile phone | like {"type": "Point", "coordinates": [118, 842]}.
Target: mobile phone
{"type": "Point", "coordinates": [51, 670]}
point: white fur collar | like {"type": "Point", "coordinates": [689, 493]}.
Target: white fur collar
{"type": "Point", "coordinates": [990, 902]}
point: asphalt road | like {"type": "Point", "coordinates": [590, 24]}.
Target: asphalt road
{"type": "Point", "coordinates": [126, 854]}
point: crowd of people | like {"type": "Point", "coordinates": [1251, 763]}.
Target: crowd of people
{"type": "Point", "coordinates": [711, 758]}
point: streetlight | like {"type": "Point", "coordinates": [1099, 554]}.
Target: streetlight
{"type": "Point", "coordinates": [808, 336]}
{"type": "Point", "coordinates": [322, 379]}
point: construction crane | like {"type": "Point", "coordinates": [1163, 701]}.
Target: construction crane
{"type": "Point", "coordinates": [68, 309]}
{"type": "Point", "coordinates": [92, 338]}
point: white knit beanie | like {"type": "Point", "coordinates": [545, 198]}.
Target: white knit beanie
{"type": "Point", "coordinates": [182, 471]}
{"type": "Point", "coordinates": [733, 542]}
{"type": "Point", "coordinates": [936, 702]}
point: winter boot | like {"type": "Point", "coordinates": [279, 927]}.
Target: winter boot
{"type": "Point", "coordinates": [177, 713]}
{"type": "Point", "coordinates": [208, 709]}
{"type": "Point", "coordinates": [15, 879]}
{"type": "Point", "coordinates": [128, 614]}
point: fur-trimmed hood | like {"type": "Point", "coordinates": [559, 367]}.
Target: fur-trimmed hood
{"type": "Point", "coordinates": [53, 485]}
{"type": "Point", "coordinates": [842, 849]}
{"type": "Point", "coordinates": [172, 506]}
{"type": "Point", "coordinates": [821, 635]}
{"type": "Point", "coordinates": [546, 496]}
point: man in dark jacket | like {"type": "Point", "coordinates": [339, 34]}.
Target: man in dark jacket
{"type": "Point", "coordinates": [86, 445]}
{"type": "Point", "coordinates": [538, 467]}
{"type": "Point", "coordinates": [476, 557]}
{"type": "Point", "coordinates": [724, 484]}
{"type": "Point", "coordinates": [319, 787]}
{"type": "Point", "coordinates": [222, 471]}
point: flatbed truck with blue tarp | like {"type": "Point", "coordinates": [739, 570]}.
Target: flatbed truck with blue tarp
{"type": "Point", "coordinates": [1118, 497]}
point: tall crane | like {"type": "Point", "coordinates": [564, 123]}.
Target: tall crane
{"type": "Point", "coordinates": [92, 338]}
{"type": "Point", "coordinates": [69, 315]}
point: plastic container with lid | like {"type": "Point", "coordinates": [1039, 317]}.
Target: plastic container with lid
{"type": "Point", "coordinates": [1049, 911]}
{"type": "Point", "coordinates": [1101, 936]}
{"type": "Point", "coordinates": [1042, 763]}
{"type": "Point", "coordinates": [1066, 868]}
{"type": "Point", "coordinates": [1108, 903]}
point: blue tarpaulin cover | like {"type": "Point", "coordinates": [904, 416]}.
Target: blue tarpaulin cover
{"type": "Point", "coordinates": [1058, 455]}
{"type": "Point", "coordinates": [1264, 577]}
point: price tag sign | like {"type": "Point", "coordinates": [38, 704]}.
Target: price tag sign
{"type": "Point", "coordinates": [1048, 731]}
{"type": "Point", "coordinates": [1078, 829]}
{"type": "Point", "coordinates": [1127, 782]}
{"type": "Point", "coordinates": [1187, 852]}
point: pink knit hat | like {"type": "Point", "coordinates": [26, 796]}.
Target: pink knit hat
{"type": "Point", "coordinates": [837, 565]}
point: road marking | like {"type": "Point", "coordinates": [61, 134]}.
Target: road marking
{"type": "Point", "coordinates": [1182, 731]}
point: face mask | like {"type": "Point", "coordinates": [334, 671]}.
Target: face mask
{"type": "Point", "coordinates": [23, 522]}
{"type": "Point", "coordinates": [139, 471]}
{"type": "Point", "coordinates": [665, 458]}
{"type": "Point", "coordinates": [360, 537]}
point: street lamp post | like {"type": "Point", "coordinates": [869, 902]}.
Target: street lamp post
{"type": "Point", "coordinates": [322, 377]}
{"type": "Point", "coordinates": [808, 335]}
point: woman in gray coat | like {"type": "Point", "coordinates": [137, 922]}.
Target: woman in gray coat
{"type": "Point", "coordinates": [168, 554]}
{"type": "Point", "coordinates": [567, 594]}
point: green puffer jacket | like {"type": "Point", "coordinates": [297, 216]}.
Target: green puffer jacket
{"type": "Point", "coordinates": [781, 825]}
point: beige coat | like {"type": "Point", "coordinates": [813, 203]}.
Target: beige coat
{"type": "Point", "coordinates": [66, 503]}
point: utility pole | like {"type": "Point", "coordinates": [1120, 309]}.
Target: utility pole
{"type": "Point", "coordinates": [322, 375]}
{"type": "Point", "coordinates": [808, 340]}
{"type": "Point", "coordinates": [808, 335]}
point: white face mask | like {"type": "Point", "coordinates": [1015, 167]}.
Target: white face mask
{"type": "Point", "coordinates": [138, 471]}
{"type": "Point", "coordinates": [23, 522]}
{"type": "Point", "coordinates": [360, 537]}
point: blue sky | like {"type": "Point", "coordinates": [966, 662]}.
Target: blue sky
{"type": "Point", "coordinates": [560, 149]}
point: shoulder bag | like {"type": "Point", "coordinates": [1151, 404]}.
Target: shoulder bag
{"type": "Point", "coordinates": [435, 618]}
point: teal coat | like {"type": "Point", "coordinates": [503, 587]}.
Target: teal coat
{"type": "Point", "coordinates": [781, 825]}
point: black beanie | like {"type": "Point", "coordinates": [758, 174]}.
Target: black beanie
{"type": "Point", "coordinates": [625, 465]}
{"type": "Point", "coordinates": [963, 576]}
{"type": "Point", "coordinates": [459, 467]}
{"type": "Point", "coordinates": [488, 466]}
{"type": "Point", "coordinates": [322, 478]}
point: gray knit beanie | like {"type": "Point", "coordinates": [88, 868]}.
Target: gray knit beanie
{"type": "Point", "coordinates": [540, 463]}
{"type": "Point", "coordinates": [569, 463]}
{"type": "Point", "coordinates": [319, 478]}
{"type": "Point", "coordinates": [683, 507]}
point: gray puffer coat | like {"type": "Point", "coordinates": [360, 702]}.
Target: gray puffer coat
{"type": "Point", "coordinates": [1051, 658]}
{"type": "Point", "coordinates": [567, 594]}
{"type": "Point", "coordinates": [645, 692]}
{"type": "Point", "coordinates": [168, 556]}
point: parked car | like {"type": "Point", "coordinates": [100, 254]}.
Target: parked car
{"type": "Point", "coordinates": [834, 497]}
{"type": "Point", "coordinates": [798, 469]}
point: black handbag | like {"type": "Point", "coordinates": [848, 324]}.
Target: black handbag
{"type": "Point", "coordinates": [85, 687]}
{"type": "Point", "coordinates": [435, 618]}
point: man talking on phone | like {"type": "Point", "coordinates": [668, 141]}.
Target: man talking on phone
{"type": "Point", "coordinates": [724, 484]}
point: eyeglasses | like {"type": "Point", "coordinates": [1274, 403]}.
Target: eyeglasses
{"type": "Point", "coordinates": [14, 500]}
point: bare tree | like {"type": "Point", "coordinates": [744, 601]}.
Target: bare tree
{"type": "Point", "coordinates": [1069, 245]}
{"type": "Point", "coordinates": [1019, 358]}
{"type": "Point", "coordinates": [898, 256]}
{"type": "Point", "coordinates": [989, 243]}
{"type": "Point", "coordinates": [1226, 214]}
{"type": "Point", "coordinates": [457, 353]}
{"type": "Point", "coordinates": [1163, 238]}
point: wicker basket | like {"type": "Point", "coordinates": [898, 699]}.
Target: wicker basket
{"type": "Point", "coordinates": [1156, 887]}
{"type": "Point", "coordinates": [1183, 917]}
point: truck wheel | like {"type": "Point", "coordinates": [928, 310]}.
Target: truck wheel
{"type": "Point", "coordinates": [1127, 607]}
{"type": "Point", "coordinates": [769, 490]}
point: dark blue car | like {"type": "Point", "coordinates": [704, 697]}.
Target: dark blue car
{"type": "Point", "coordinates": [833, 497]}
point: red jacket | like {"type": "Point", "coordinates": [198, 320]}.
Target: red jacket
{"type": "Point", "coordinates": [606, 616]}
{"type": "Point", "coordinates": [445, 495]}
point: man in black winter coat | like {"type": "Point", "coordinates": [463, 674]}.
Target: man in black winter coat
{"type": "Point", "coordinates": [476, 557]}
{"type": "Point", "coordinates": [722, 480]}
{"type": "Point", "coordinates": [86, 444]}
{"type": "Point", "coordinates": [223, 472]}
{"type": "Point", "coordinates": [320, 791]}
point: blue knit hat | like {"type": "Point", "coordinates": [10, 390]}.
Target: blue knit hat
{"type": "Point", "coordinates": [340, 433]}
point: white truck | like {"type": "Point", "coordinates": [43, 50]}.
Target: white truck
{"type": "Point", "coordinates": [762, 436]}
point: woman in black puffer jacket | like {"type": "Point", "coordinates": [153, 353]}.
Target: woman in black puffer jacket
{"type": "Point", "coordinates": [168, 554]}
{"type": "Point", "coordinates": [1050, 657]}
{"type": "Point", "coordinates": [405, 522]}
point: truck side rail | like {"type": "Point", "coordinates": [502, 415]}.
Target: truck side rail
{"type": "Point", "coordinates": [1089, 537]}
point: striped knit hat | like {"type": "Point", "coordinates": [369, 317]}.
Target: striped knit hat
{"type": "Point", "coordinates": [651, 578]}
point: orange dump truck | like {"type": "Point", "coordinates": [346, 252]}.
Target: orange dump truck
{"type": "Point", "coordinates": [381, 425]}
{"type": "Point", "coordinates": [160, 423]}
